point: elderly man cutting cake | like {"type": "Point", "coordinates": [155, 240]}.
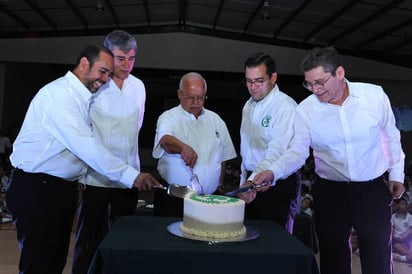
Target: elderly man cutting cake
{"type": "Point", "coordinates": [192, 145]}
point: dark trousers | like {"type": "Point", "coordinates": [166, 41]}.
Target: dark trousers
{"type": "Point", "coordinates": [42, 207]}
{"type": "Point", "coordinates": [364, 206]}
{"type": "Point", "coordinates": [278, 203]}
{"type": "Point", "coordinates": [99, 208]}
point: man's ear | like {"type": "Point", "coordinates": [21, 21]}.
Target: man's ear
{"type": "Point", "coordinates": [340, 73]}
{"type": "Point", "coordinates": [273, 78]}
{"type": "Point", "coordinates": [84, 64]}
{"type": "Point", "coordinates": [179, 94]}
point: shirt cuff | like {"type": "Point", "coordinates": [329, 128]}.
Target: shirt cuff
{"type": "Point", "coordinates": [252, 176]}
{"type": "Point", "coordinates": [129, 176]}
{"type": "Point", "coordinates": [396, 176]}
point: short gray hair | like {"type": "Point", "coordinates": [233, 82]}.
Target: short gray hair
{"type": "Point", "coordinates": [121, 39]}
{"type": "Point", "coordinates": [191, 75]}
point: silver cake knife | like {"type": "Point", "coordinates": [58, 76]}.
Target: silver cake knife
{"type": "Point", "coordinates": [245, 188]}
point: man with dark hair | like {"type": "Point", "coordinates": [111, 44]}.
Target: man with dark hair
{"type": "Point", "coordinates": [117, 116]}
{"type": "Point", "coordinates": [266, 130]}
{"type": "Point", "coordinates": [351, 129]}
{"type": "Point", "coordinates": [52, 150]}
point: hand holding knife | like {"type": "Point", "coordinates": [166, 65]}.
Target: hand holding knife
{"type": "Point", "coordinates": [245, 189]}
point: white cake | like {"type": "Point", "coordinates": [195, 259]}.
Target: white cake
{"type": "Point", "coordinates": [213, 216]}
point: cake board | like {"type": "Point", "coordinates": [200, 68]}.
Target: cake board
{"type": "Point", "coordinates": [251, 233]}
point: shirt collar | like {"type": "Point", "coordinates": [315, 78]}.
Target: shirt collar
{"type": "Point", "coordinates": [79, 87]}
{"type": "Point", "coordinates": [268, 97]}
{"type": "Point", "coordinates": [190, 115]}
{"type": "Point", "coordinates": [353, 92]}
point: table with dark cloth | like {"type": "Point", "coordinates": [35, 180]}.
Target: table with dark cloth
{"type": "Point", "coordinates": [142, 244]}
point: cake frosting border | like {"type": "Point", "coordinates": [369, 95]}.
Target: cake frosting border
{"type": "Point", "coordinates": [213, 234]}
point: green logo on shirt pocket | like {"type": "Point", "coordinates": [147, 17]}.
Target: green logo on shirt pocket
{"type": "Point", "coordinates": [266, 120]}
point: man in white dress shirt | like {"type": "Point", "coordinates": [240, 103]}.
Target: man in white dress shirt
{"type": "Point", "coordinates": [266, 130]}
{"type": "Point", "coordinates": [117, 116]}
{"type": "Point", "coordinates": [351, 129]}
{"type": "Point", "coordinates": [190, 140]}
{"type": "Point", "coordinates": [52, 150]}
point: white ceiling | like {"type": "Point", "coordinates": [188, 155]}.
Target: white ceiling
{"type": "Point", "coordinates": [374, 29]}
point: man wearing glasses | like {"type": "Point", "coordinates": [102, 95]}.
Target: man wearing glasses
{"type": "Point", "coordinates": [266, 130]}
{"type": "Point", "coordinates": [190, 142]}
{"type": "Point", "coordinates": [351, 129]}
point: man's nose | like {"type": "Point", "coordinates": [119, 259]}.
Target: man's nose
{"type": "Point", "coordinates": [127, 62]}
{"type": "Point", "coordinates": [315, 89]}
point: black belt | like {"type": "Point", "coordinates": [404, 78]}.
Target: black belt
{"type": "Point", "coordinates": [43, 177]}
{"type": "Point", "coordinates": [378, 179]}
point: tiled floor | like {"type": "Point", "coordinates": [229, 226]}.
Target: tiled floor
{"type": "Point", "coordinates": [9, 252]}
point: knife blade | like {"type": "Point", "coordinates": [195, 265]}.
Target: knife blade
{"type": "Point", "coordinates": [245, 188]}
{"type": "Point", "coordinates": [196, 183]}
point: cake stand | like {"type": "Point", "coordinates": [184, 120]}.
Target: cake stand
{"type": "Point", "coordinates": [251, 233]}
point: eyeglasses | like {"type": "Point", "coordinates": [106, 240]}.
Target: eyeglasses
{"type": "Point", "coordinates": [195, 98]}
{"type": "Point", "coordinates": [317, 84]}
{"type": "Point", "coordinates": [257, 82]}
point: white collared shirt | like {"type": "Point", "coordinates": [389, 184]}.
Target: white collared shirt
{"type": "Point", "coordinates": [207, 135]}
{"type": "Point", "coordinates": [266, 130]}
{"type": "Point", "coordinates": [357, 141]}
{"type": "Point", "coordinates": [56, 139]}
{"type": "Point", "coordinates": [117, 117]}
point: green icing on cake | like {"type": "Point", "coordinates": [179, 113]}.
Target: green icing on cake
{"type": "Point", "coordinates": [213, 199]}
